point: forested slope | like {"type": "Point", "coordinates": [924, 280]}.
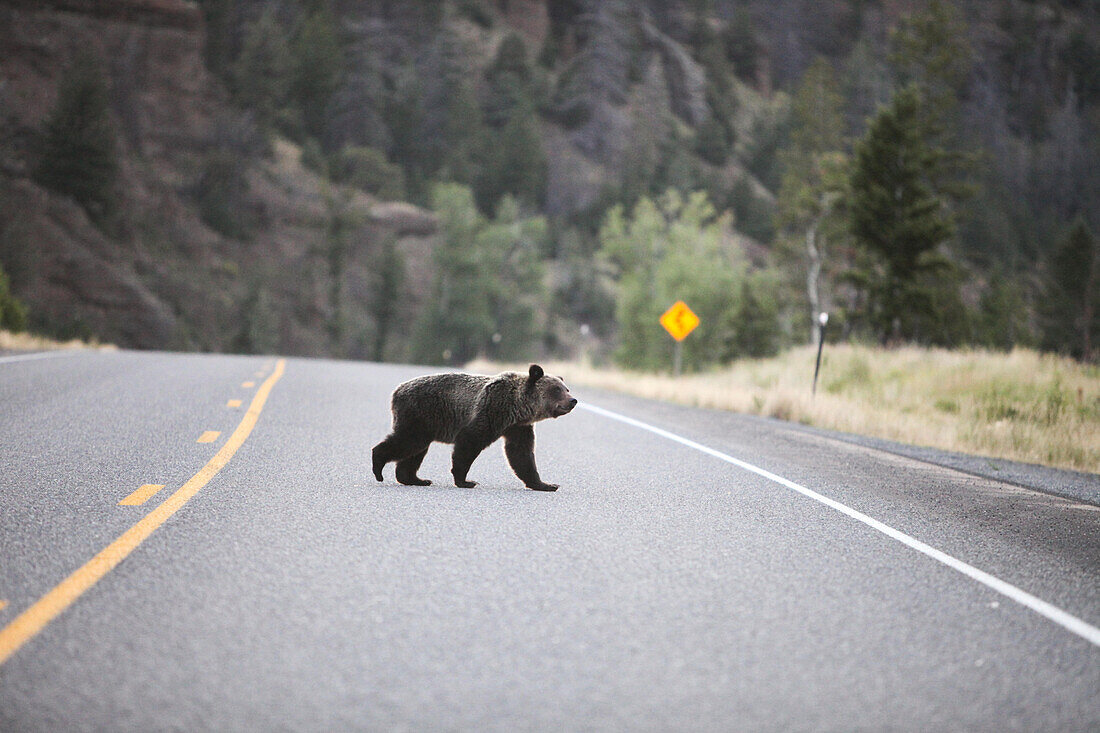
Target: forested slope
{"type": "Point", "coordinates": [924, 171]}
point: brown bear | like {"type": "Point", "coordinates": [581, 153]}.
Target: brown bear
{"type": "Point", "coordinates": [471, 411]}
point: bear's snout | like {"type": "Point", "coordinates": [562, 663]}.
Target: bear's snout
{"type": "Point", "coordinates": [564, 408]}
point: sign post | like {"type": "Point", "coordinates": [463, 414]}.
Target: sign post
{"type": "Point", "coordinates": [823, 319]}
{"type": "Point", "coordinates": [679, 321]}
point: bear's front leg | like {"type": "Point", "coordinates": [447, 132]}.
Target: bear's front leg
{"type": "Point", "coordinates": [519, 447]}
{"type": "Point", "coordinates": [468, 446]}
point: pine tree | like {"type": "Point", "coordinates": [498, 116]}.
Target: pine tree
{"type": "Point", "coordinates": [512, 162]}
{"type": "Point", "coordinates": [318, 59]}
{"type": "Point", "coordinates": [1003, 314]}
{"type": "Point", "coordinates": [508, 82]}
{"type": "Point", "coordinates": [13, 314]}
{"type": "Point", "coordinates": [756, 327]}
{"type": "Point", "coordinates": [384, 296]}
{"type": "Point", "coordinates": [262, 73]}
{"type": "Point", "coordinates": [930, 49]}
{"type": "Point", "coordinates": [511, 247]}
{"type": "Point", "coordinates": [740, 45]}
{"type": "Point", "coordinates": [1070, 309]}
{"type": "Point", "coordinates": [456, 322]}
{"type": "Point", "coordinates": [462, 134]}
{"type": "Point", "coordinates": [897, 213]}
{"type": "Point", "coordinates": [78, 155]}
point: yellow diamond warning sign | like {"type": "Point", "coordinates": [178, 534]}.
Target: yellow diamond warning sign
{"type": "Point", "coordinates": [679, 320]}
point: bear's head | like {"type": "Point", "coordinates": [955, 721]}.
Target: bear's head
{"type": "Point", "coordinates": [552, 398]}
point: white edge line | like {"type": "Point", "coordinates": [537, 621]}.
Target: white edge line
{"type": "Point", "coordinates": [1053, 613]}
{"type": "Point", "coordinates": [37, 355]}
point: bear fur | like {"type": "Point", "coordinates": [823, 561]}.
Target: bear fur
{"type": "Point", "coordinates": [471, 411]}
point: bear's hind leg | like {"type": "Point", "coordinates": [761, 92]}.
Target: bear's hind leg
{"type": "Point", "coordinates": [397, 446]}
{"type": "Point", "coordinates": [407, 468]}
{"type": "Point", "coordinates": [381, 455]}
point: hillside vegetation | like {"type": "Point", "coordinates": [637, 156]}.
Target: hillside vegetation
{"type": "Point", "coordinates": [441, 180]}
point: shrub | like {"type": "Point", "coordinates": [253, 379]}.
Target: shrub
{"type": "Point", "coordinates": [369, 170]}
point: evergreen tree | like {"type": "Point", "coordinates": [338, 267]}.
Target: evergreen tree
{"type": "Point", "coordinates": [715, 134]}
{"type": "Point", "coordinates": [897, 213]}
{"type": "Point", "coordinates": [711, 142]}
{"type": "Point", "coordinates": [318, 60]}
{"type": "Point", "coordinates": [651, 138]}
{"type": "Point", "coordinates": [456, 322]}
{"type": "Point", "coordinates": [1070, 308]}
{"type": "Point", "coordinates": [930, 49]}
{"type": "Point", "coordinates": [1002, 315]}
{"type": "Point", "coordinates": [342, 222]}
{"type": "Point", "coordinates": [583, 293]}
{"type": "Point", "coordinates": [405, 118]}
{"type": "Point", "coordinates": [740, 45]}
{"type": "Point", "coordinates": [258, 333]}
{"type": "Point", "coordinates": [756, 329]}
{"type": "Point", "coordinates": [462, 135]}
{"type": "Point", "coordinates": [385, 294]}
{"type": "Point", "coordinates": [512, 162]}
{"type": "Point", "coordinates": [78, 155]}
{"type": "Point", "coordinates": [512, 249]}
{"type": "Point", "coordinates": [262, 74]}
{"type": "Point", "coordinates": [509, 82]}
{"type": "Point", "coordinates": [13, 314]}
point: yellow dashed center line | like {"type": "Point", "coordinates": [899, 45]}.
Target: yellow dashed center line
{"type": "Point", "coordinates": [3, 605]}
{"type": "Point", "coordinates": [209, 436]}
{"type": "Point", "coordinates": [233, 403]}
{"type": "Point", "coordinates": [142, 495]}
{"type": "Point", "coordinates": [248, 385]}
{"type": "Point", "coordinates": [24, 626]}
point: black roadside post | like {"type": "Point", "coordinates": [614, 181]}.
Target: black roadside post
{"type": "Point", "coordinates": [822, 318]}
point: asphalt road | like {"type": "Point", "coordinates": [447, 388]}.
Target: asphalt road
{"type": "Point", "coordinates": [273, 584]}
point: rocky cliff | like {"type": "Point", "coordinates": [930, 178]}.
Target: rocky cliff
{"type": "Point", "coordinates": [154, 275]}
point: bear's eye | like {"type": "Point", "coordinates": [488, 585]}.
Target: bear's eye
{"type": "Point", "coordinates": [555, 392]}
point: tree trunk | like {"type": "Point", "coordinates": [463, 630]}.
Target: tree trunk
{"type": "Point", "coordinates": [813, 275]}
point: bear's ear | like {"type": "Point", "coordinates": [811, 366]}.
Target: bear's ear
{"type": "Point", "coordinates": [534, 374]}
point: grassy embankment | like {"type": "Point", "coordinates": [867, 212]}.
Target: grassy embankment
{"type": "Point", "coordinates": [29, 342]}
{"type": "Point", "coordinates": [1022, 406]}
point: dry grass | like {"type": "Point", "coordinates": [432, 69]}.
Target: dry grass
{"type": "Point", "coordinates": [1022, 406]}
{"type": "Point", "coordinates": [29, 342]}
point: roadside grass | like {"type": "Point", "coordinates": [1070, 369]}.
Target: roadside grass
{"type": "Point", "coordinates": [29, 342]}
{"type": "Point", "coordinates": [1022, 406]}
